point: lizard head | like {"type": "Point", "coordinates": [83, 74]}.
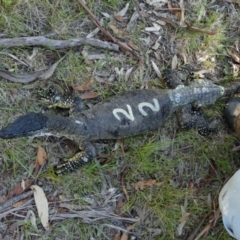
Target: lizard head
{"type": "Point", "coordinates": [30, 124]}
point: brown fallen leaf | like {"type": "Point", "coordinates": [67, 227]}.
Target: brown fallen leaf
{"type": "Point", "coordinates": [20, 203]}
{"type": "Point", "coordinates": [41, 156]}
{"type": "Point", "coordinates": [174, 11]}
{"type": "Point", "coordinates": [27, 78]}
{"type": "Point", "coordinates": [184, 217]}
{"type": "Point", "coordinates": [85, 86]}
{"type": "Point", "coordinates": [117, 236]}
{"type": "Point", "coordinates": [119, 18]}
{"type": "Point", "coordinates": [117, 31]}
{"type": "Point", "coordinates": [234, 55]}
{"type": "Point", "coordinates": [125, 235]}
{"type": "Point", "coordinates": [122, 176]}
{"type": "Point", "coordinates": [18, 189]}
{"type": "Point", "coordinates": [140, 185]}
{"type": "Point", "coordinates": [89, 95]}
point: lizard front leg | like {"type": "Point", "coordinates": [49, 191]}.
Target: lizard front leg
{"type": "Point", "coordinates": [57, 98]}
{"type": "Point", "coordinates": [80, 159]}
{"type": "Point", "coordinates": [178, 77]}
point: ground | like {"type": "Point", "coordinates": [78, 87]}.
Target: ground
{"type": "Point", "coordinates": [160, 185]}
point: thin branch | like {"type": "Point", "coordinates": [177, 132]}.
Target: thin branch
{"type": "Point", "coordinates": [123, 46]}
{"type": "Point", "coordinates": [91, 216]}
{"type": "Point", "coordinates": [56, 44]}
{"type": "Point", "coordinates": [4, 214]}
{"type": "Point", "coordinates": [13, 200]}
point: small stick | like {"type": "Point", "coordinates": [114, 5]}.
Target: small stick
{"type": "Point", "coordinates": [13, 200]}
{"type": "Point", "coordinates": [56, 44]}
{"type": "Point", "coordinates": [123, 46]}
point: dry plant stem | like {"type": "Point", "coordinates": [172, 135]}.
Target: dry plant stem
{"type": "Point", "coordinates": [233, 1]}
{"type": "Point", "coordinates": [93, 215]}
{"type": "Point", "coordinates": [123, 46]}
{"type": "Point", "coordinates": [56, 44]}
{"type": "Point", "coordinates": [13, 200]}
{"type": "Point", "coordinates": [194, 233]}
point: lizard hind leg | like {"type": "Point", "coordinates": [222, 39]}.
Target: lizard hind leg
{"type": "Point", "coordinates": [80, 159]}
{"type": "Point", "coordinates": [189, 118]}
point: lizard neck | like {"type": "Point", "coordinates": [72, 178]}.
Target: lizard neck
{"type": "Point", "coordinates": [68, 127]}
{"type": "Point", "coordinates": [205, 95]}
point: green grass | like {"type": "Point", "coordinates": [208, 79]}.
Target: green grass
{"type": "Point", "coordinates": [178, 158]}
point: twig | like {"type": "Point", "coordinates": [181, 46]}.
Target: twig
{"type": "Point", "coordinates": [120, 229]}
{"type": "Point", "coordinates": [233, 1]}
{"type": "Point", "coordinates": [56, 44]}
{"type": "Point", "coordinates": [4, 214]}
{"type": "Point", "coordinates": [13, 200]}
{"type": "Point", "coordinates": [193, 234]}
{"type": "Point", "coordinates": [123, 46]}
{"type": "Point", "coordinates": [92, 215]}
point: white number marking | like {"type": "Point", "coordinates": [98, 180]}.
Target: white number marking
{"type": "Point", "coordinates": [178, 98]}
{"type": "Point", "coordinates": [128, 114]}
{"type": "Point", "coordinates": [154, 107]}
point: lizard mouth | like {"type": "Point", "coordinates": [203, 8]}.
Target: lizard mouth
{"type": "Point", "coordinates": [27, 125]}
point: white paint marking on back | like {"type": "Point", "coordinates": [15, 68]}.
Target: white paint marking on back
{"type": "Point", "coordinates": [154, 107]}
{"type": "Point", "coordinates": [178, 98]}
{"type": "Point", "coordinates": [78, 122]}
{"type": "Point", "coordinates": [128, 114]}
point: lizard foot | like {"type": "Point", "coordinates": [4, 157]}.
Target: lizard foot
{"type": "Point", "coordinates": [57, 98]}
{"type": "Point", "coordinates": [69, 165]}
{"type": "Point", "coordinates": [80, 159]}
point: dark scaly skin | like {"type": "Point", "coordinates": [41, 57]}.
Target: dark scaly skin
{"type": "Point", "coordinates": [100, 122]}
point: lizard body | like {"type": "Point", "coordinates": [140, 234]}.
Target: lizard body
{"type": "Point", "coordinates": [130, 114]}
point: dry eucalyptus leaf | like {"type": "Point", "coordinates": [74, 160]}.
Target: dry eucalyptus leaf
{"type": "Point", "coordinates": [140, 185]}
{"type": "Point", "coordinates": [18, 204]}
{"type": "Point", "coordinates": [127, 74]}
{"type": "Point", "coordinates": [156, 2]}
{"type": "Point", "coordinates": [157, 71]}
{"type": "Point", "coordinates": [89, 95]}
{"type": "Point", "coordinates": [155, 28]}
{"type": "Point", "coordinates": [32, 217]}
{"type": "Point", "coordinates": [85, 86]}
{"type": "Point", "coordinates": [236, 57]}
{"type": "Point", "coordinates": [41, 204]}
{"type": "Point", "coordinates": [15, 58]}
{"type": "Point", "coordinates": [49, 72]}
{"type": "Point", "coordinates": [119, 18]}
{"type": "Point", "coordinates": [174, 62]}
{"type": "Point", "coordinates": [27, 78]}
{"type": "Point", "coordinates": [117, 31]}
{"type": "Point", "coordinates": [123, 11]}
{"type": "Point", "coordinates": [41, 156]}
